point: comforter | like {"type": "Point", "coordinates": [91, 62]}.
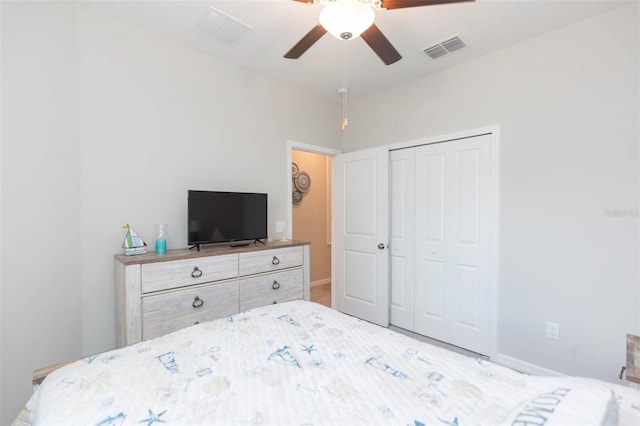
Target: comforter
{"type": "Point", "coordinates": [300, 363]}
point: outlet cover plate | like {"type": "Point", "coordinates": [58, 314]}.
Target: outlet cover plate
{"type": "Point", "coordinates": [553, 330]}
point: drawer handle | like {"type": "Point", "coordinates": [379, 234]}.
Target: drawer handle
{"type": "Point", "coordinates": [275, 285]}
{"type": "Point", "coordinates": [196, 273]}
{"type": "Point", "coordinates": [197, 302]}
{"type": "Point", "coordinates": [275, 261]}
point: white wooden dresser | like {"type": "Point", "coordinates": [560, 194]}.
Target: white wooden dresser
{"type": "Point", "coordinates": [158, 294]}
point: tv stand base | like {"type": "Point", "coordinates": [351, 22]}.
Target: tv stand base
{"type": "Point", "coordinates": [239, 245]}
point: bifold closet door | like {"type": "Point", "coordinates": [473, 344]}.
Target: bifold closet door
{"type": "Point", "coordinates": [452, 242]}
{"type": "Point", "coordinates": [402, 176]}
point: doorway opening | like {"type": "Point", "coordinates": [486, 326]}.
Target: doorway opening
{"type": "Point", "coordinates": [311, 216]}
{"type": "Point", "coordinates": [310, 212]}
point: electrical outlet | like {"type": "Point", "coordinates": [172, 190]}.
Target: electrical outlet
{"type": "Point", "coordinates": [280, 225]}
{"type": "Point", "coordinates": [553, 330]}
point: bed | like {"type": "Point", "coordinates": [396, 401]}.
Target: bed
{"type": "Point", "coordinates": [301, 363]}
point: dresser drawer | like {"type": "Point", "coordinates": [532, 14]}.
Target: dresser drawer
{"type": "Point", "coordinates": [270, 260]}
{"type": "Point", "coordinates": [167, 312]}
{"type": "Point", "coordinates": [179, 273]}
{"type": "Point", "coordinates": [280, 298]}
{"type": "Point", "coordinates": [156, 294]}
{"type": "Point", "coordinates": [267, 289]}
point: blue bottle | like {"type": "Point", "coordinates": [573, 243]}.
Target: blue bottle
{"type": "Point", "coordinates": [161, 239]}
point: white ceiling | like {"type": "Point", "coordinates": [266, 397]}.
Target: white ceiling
{"type": "Point", "coordinates": [276, 25]}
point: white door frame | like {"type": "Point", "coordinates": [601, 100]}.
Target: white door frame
{"type": "Point", "coordinates": [495, 207]}
{"type": "Point", "coordinates": [299, 146]}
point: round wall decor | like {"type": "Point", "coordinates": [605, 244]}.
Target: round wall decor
{"type": "Point", "coordinates": [303, 182]}
{"type": "Point", "coordinates": [296, 197]}
{"type": "Point", "coordinates": [300, 184]}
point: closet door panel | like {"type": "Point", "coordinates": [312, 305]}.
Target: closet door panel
{"type": "Point", "coordinates": [452, 247]}
{"type": "Point", "coordinates": [431, 313]}
{"type": "Point", "coordinates": [467, 277]}
{"type": "Point", "coordinates": [402, 208]}
{"type": "Point", "coordinates": [467, 191]}
{"type": "Point", "coordinates": [471, 246]}
{"type": "Point", "coordinates": [431, 197]}
{"type": "Point", "coordinates": [434, 290]}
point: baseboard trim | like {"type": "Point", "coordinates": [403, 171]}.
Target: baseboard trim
{"type": "Point", "coordinates": [524, 366]}
{"type": "Point", "coordinates": [321, 282]}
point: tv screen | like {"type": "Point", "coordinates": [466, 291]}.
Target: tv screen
{"type": "Point", "coordinates": [217, 217]}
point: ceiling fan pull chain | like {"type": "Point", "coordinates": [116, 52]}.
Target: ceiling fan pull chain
{"type": "Point", "coordinates": [344, 90]}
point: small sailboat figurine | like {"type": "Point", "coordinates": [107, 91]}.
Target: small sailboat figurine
{"type": "Point", "coordinates": [133, 243]}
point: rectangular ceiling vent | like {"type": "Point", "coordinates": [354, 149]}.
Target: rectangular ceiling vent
{"type": "Point", "coordinates": [221, 27]}
{"type": "Point", "coordinates": [450, 45]}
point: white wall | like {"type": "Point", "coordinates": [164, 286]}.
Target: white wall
{"type": "Point", "coordinates": [107, 124]}
{"type": "Point", "coordinates": [567, 105]}
{"type": "Point", "coordinates": [41, 220]}
{"type": "Point", "coordinates": [183, 121]}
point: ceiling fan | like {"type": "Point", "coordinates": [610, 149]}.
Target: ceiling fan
{"type": "Point", "coordinates": [348, 19]}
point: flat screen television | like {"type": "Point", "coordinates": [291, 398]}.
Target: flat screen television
{"type": "Point", "coordinates": [221, 217]}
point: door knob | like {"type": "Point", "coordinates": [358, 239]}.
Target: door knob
{"type": "Point", "coordinates": [382, 246]}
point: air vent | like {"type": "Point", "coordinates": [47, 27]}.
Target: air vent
{"type": "Point", "coordinates": [436, 51]}
{"type": "Point", "coordinates": [453, 44]}
{"type": "Point", "coordinates": [450, 45]}
{"type": "Point", "coordinates": [221, 27]}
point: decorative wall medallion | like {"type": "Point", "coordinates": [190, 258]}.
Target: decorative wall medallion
{"type": "Point", "coordinates": [297, 197]}
{"type": "Point", "coordinates": [301, 182]}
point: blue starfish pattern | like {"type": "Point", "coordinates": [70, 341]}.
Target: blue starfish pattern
{"type": "Point", "coordinates": [308, 349]}
{"type": "Point", "coordinates": [153, 418]}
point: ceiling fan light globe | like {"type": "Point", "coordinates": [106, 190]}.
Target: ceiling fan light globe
{"type": "Point", "coordinates": [346, 17]}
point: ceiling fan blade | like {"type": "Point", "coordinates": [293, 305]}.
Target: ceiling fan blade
{"type": "Point", "coordinates": [400, 4]}
{"type": "Point", "coordinates": [379, 43]}
{"type": "Point", "coordinates": [306, 42]}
